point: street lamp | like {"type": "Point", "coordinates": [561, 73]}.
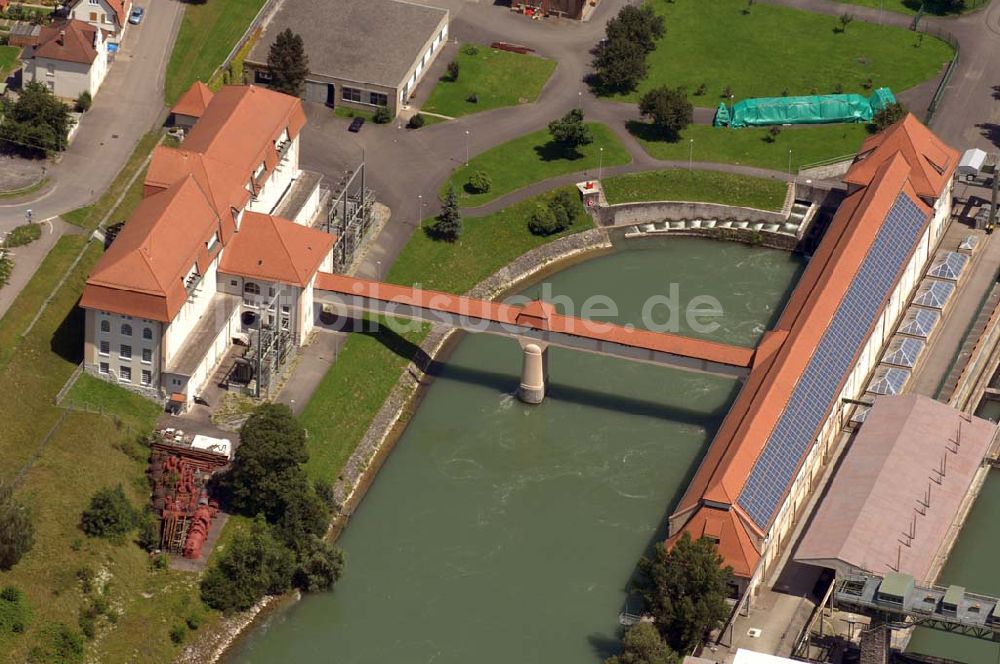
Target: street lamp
{"type": "Point", "coordinates": [600, 165]}
{"type": "Point", "coordinates": [378, 270]}
{"type": "Point", "coordinates": [420, 209]}
{"type": "Point", "coordinates": [579, 96]}
{"type": "Point", "coordinates": [466, 148]}
{"type": "Point", "coordinates": [789, 162]}
{"type": "Point", "coordinates": [690, 154]}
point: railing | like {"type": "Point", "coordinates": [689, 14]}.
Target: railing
{"type": "Point", "coordinates": [946, 36]}
{"type": "Point", "coordinates": [826, 162]}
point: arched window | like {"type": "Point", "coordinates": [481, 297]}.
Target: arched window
{"type": "Point", "coordinates": [147, 333]}
{"type": "Point", "coordinates": [252, 288]}
{"type": "Point", "coordinates": [126, 330]}
{"type": "Point", "coordinates": [105, 326]}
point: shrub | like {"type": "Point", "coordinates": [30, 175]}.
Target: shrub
{"type": "Point", "coordinates": [416, 121]}
{"type": "Point", "coordinates": [889, 115]}
{"type": "Point", "coordinates": [470, 49]}
{"type": "Point", "coordinates": [177, 633]}
{"type": "Point", "coordinates": [473, 98]}
{"type": "Point", "coordinates": [255, 564]}
{"type": "Point", "coordinates": [194, 620]}
{"type": "Point", "coordinates": [17, 528]}
{"type": "Point", "coordinates": [382, 115]}
{"type": "Point", "coordinates": [567, 202]}
{"type": "Point", "coordinates": [58, 643]}
{"type": "Point", "coordinates": [453, 70]}
{"type": "Point", "coordinates": [6, 267]}
{"type": "Point", "coordinates": [480, 182]}
{"type": "Point", "coordinates": [700, 90]}
{"type": "Point", "coordinates": [555, 216]}
{"type": "Point", "coordinates": [22, 235]}
{"type": "Point", "coordinates": [773, 133]}
{"type": "Point", "coordinates": [84, 102]}
{"type": "Point", "coordinates": [14, 611]}
{"type": "Point", "coordinates": [149, 531]}
{"type": "Point", "coordinates": [542, 221]}
{"type": "Point", "coordinates": [109, 515]}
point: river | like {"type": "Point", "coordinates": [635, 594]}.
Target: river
{"type": "Point", "coordinates": [498, 532]}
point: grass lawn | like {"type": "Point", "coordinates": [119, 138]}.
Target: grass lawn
{"type": "Point", "coordinates": [90, 215]}
{"type": "Point", "coordinates": [702, 186]}
{"type": "Point", "coordinates": [208, 32]}
{"type": "Point", "coordinates": [497, 78]}
{"type": "Point", "coordinates": [774, 50]}
{"type": "Point", "coordinates": [749, 146]}
{"type": "Point", "coordinates": [8, 58]}
{"type": "Point", "coordinates": [348, 112]}
{"type": "Point", "coordinates": [932, 7]}
{"type": "Point", "coordinates": [532, 158]}
{"type": "Point", "coordinates": [369, 364]}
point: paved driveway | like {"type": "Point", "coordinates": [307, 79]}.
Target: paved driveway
{"type": "Point", "coordinates": [128, 104]}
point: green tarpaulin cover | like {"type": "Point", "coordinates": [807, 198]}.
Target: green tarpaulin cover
{"type": "Point", "coordinates": [812, 109]}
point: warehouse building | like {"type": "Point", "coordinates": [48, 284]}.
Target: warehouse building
{"type": "Point", "coordinates": [779, 434]}
{"type": "Point", "coordinates": [362, 53]}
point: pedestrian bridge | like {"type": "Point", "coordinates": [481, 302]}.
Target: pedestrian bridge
{"type": "Point", "coordinates": [536, 326]}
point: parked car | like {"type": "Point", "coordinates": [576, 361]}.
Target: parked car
{"type": "Point", "coordinates": [356, 124]}
{"type": "Point", "coordinates": [135, 18]}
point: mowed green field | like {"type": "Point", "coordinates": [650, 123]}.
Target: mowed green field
{"type": "Point", "coordinates": [774, 50]}
{"type": "Point", "coordinates": [208, 32]}
{"type": "Point", "coordinates": [681, 184]}
{"type": "Point", "coordinates": [497, 78]}
{"type": "Point", "coordinates": [933, 7]}
{"type": "Point", "coordinates": [532, 158]}
{"type": "Point", "coordinates": [750, 146]}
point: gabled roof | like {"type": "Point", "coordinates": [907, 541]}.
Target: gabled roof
{"type": "Point", "coordinates": [118, 7]}
{"type": "Point", "coordinates": [142, 272]}
{"type": "Point", "coordinates": [193, 102]}
{"type": "Point", "coordinates": [931, 161]}
{"type": "Point", "coordinates": [275, 249]}
{"type": "Point", "coordinates": [67, 41]}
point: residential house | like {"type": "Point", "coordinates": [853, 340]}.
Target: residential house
{"type": "Point", "coordinates": [108, 15]}
{"type": "Point", "coordinates": [70, 57]}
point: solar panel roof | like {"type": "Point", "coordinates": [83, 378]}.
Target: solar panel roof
{"type": "Point", "coordinates": [919, 322]}
{"type": "Point", "coordinates": [934, 293]}
{"type": "Point", "coordinates": [889, 380]}
{"type": "Point", "coordinates": [948, 265]}
{"type": "Point", "coordinates": [834, 357]}
{"type": "Point", "coordinates": [903, 352]}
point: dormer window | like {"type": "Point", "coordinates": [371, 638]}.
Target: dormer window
{"type": "Point", "coordinates": [258, 171]}
{"type": "Point", "coordinates": [192, 278]}
{"type": "Point", "coordinates": [212, 241]}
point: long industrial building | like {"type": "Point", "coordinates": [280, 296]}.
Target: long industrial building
{"type": "Point", "coordinates": [766, 457]}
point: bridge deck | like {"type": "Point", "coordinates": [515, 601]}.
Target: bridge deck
{"type": "Point", "coordinates": [537, 321]}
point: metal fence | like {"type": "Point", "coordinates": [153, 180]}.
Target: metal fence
{"type": "Point", "coordinates": [948, 37]}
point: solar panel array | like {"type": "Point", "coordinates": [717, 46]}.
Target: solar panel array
{"type": "Point", "coordinates": [833, 358]}
{"type": "Point", "coordinates": [948, 265]}
{"type": "Point", "coordinates": [903, 352]}
{"type": "Point", "coordinates": [889, 380]}
{"type": "Point", "coordinates": [919, 322]}
{"type": "Point", "coordinates": [934, 293]}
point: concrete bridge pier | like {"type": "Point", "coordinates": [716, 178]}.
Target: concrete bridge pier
{"type": "Point", "coordinates": [534, 372]}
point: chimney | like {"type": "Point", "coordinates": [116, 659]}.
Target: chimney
{"type": "Point", "coordinates": [62, 38]}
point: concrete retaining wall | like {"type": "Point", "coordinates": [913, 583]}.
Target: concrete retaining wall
{"type": "Point", "coordinates": [625, 214]}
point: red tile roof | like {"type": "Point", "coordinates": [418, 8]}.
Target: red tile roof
{"type": "Point", "coordinates": [193, 102]}
{"type": "Point", "coordinates": [142, 272]}
{"type": "Point", "coordinates": [66, 41]}
{"type": "Point", "coordinates": [120, 8]}
{"type": "Point", "coordinates": [275, 249]}
{"type": "Point", "coordinates": [784, 353]}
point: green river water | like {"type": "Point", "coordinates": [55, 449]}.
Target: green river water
{"type": "Point", "coordinates": [498, 532]}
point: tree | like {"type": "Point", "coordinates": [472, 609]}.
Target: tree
{"type": "Point", "coordinates": [569, 131]}
{"type": "Point", "coordinates": [255, 564]}
{"type": "Point", "coordinates": [620, 64]}
{"type": "Point", "coordinates": [84, 102]}
{"type": "Point", "coordinates": [288, 63]}
{"type": "Point", "coordinates": [555, 217]}
{"type": "Point", "coordinates": [37, 123]}
{"type": "Point", "coordinates": [320, 566]}
{"type": "Point", "coordinates": [448, 225]}
{"type": "Point", "coordinates": [416, 121]}
{"type": "Point", "coordinates": [685, 590]}
{"type": "Point", "coordinates": [772, 133]}
{"type": "Point", "coordinates": [669, 108]}
{"type": "Point", "coordinates": [639, 25]}
{"type": "Point", "coordinates": [17, 529]}
{"type": "Point", "coordinates": [303, 514]}
{"type": "Point", "coordinates": [267, 464]}
{"type": "Point", "coordinates": [568, 202]}
{"type": "Point", "coordinates": [643, 645]}
{"type": "Point", "coordinates": [888, 116]}
{"type": "Point", "coordinates": [382, 115]}
{"type": "Point", "coordinates": [845, 20]}
{"type": "Point", "coordinates": [542, 220]}
{"type": "Point", "coordinates": [453, 71]}
{"type": "Point", "coordinates": [480, 182]}
{"type": "Point", "coordinates": [110, 514]}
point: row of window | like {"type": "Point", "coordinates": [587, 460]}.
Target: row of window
{"type": "Point", "coordinates": [125, 352]}
{"type": "Point", "coordinates": [126, 330]}
{"type": "Point", "coordinates": [356, 95]}
{"type": "Point", "coordinates": [125, 374]}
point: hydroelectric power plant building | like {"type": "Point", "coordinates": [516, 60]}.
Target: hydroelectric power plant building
{"type": "Point", "coordinates": [768, 453]}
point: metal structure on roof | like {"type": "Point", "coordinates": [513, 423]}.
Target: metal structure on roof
{"type": "Point", "coordinates": [919, 322]}
{"type": "Point", "coordinates": [948, 265]}
{"type": "Point", "coordinates": [834, 357]}
{"type": "Point", "coordinates": [969, 243]}
{"type": "Point", "coordinates": [903, 352]}
{"type": "Point", "coordinates": [934, 293]}
{"type": "Point", "coordinates": [950, 609]}
{"type": "Point", "coordinates": [889, 380]}
{"type": "Point", "coordinates": [860, 414]}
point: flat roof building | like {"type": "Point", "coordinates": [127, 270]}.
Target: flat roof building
{"type": "Point", "coordinates": [761, 467]}
{"type": "Point", "coordinates": [362, 53]}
